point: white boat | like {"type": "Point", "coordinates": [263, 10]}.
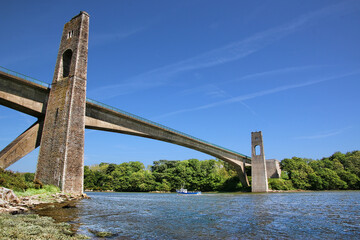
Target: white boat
{"type": "Point", "coordinates": [185, 191]}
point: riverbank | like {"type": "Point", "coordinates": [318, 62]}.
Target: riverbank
{"type": "Point", "coordinates": [14, 224]}
{"type": "Point", "coordinates": [12, 204]}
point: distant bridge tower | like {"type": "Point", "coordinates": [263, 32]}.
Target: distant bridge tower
{"type": "Point", "coordinates": [61, 156]}
{"type": "Point", "coordinates": [259, 180]}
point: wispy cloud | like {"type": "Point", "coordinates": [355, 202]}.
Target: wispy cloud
{"type": "Point", "coordinates": [208, 89]}
{"type": "Point", "coordinates": [325, 134]}
{"type": "Point", "coordinates": [228, 53]}
{"type": "Point", "coordinates": [274, 72]}
{"type": "Point", "coordinates": [245, 97]}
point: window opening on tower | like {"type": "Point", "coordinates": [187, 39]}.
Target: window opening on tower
{"type": "Point", "coordinates": [67, 62]}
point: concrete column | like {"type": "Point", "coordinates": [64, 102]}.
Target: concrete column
{"type": "Point", "coordinates": [240, 169]}
{"type": "Point", "coordinates": [61, 156]}
{"type": "Point", "coordinates": [258, 164]}
{"type": "Point", "coordinates": [21, 146]}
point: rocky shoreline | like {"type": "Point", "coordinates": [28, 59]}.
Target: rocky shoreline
{"type": "Point", "coordinates": [11, 204]}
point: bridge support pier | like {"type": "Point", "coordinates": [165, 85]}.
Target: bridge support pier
{"type": "Point", "coordinates": [240, 169]}
{"type": "Point", "coordinates": [258, 165]}
{"type": "Point", "coordinates": [61, 156]}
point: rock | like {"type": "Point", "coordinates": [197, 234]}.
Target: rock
{"type": "Point", "coordinates": [102, 234]}
{"type": "Point", "coordinates": [84, 196]}
{"type": "Point", "coordinates": [16, 210]}
{"type": "Point", "coordinates": [13, 210]}
{"type": "Point", "coordinates": [69, 205]}
{"type": "Point", "coordinates": [3, 210]}
{"type": "Point", "coordinates": [3, 204]}
{"type": "Point", "coordinates": [8, 196]}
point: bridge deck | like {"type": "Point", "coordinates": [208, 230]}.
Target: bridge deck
{"type": "Point", "coordinates": [130, 115]}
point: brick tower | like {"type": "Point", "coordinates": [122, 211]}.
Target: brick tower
{"type": "Point", "coordinates": [61, 157]}
{"type": "Point", "coordinates": [259, 182]}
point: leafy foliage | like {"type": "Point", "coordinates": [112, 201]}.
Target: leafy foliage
{"type": "Point", "coordinates": [280, 184]}
{"type": "Point", "coordinates": [338, 172]}
{"type": "Point", "coordinates": [163, 175]}
{"type": "Point", "coordinates": [15, 181]}
{"type": "Point", "coordinates": [24, 184]}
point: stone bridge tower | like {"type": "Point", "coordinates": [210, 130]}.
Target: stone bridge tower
{"type": "Point", "coordinates": [61, 157]}
{"type": "Point", "coordinates": [259, 180]}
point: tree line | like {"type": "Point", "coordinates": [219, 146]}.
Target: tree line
{"type": "Point", "coordinates": [338, 172]}
{"type": "Point", "coordinates": [163, 175]}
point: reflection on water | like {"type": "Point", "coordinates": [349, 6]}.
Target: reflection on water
{"type": "Point", "coordinates": [315, 215]}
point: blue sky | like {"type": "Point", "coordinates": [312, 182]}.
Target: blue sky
{"type": "Point", "coordinates": [217, 70]}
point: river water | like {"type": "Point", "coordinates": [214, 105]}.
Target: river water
{"type": "Point", "coordinates": [301, 215]}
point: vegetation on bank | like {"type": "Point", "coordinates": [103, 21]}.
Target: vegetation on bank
{"type": "Point", "coordinates": [23, 184]}
{"type": "Point", "coordinates": [18, 181]}
{"type": "Point", "coordinates": [44, 190]}
{"type": "Point", "coordinates": [32, 226]}
{"type": "Point", "coordinates": [163, 175]}
{"type": "Point", "coordinates": [337, 172]}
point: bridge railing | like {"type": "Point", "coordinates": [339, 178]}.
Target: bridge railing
{"type": "Point", "coordinates": [11, 72]}
{"type": "Point", "coordinates": [159, 125]}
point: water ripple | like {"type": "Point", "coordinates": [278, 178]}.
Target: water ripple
{"type": "Point", "coordinates": [314, 215]}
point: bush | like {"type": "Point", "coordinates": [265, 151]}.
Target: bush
{"type": "Point", "coordinates": [14, 181]}
{"type": "Point", "coordinates": [280, 184]}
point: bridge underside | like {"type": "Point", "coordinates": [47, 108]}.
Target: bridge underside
{"type": "Point", "coordinates": [31, 98]}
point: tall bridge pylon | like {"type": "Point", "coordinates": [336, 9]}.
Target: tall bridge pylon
{"type": "Point", "coordinates": [61, 156]}
{"type": "Point", "coordinates": [63, 113]}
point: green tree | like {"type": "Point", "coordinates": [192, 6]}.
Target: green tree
{"type": "Point", "coordinates": [298, 171]}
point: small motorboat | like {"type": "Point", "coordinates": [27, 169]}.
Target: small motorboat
{"type": "Point", "coordinates": [185, 191]}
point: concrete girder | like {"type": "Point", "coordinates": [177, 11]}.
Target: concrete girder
{"type": "Point", "coordinates": [22, 95]}
{"type": "Point", "coordinates": [22, 145]}
{"type": "Point", "coordinates": [21, 104]}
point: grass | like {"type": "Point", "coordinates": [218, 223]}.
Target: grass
{"type": "Point", "coordinates": [33, 227]}
{"type": "Point", "coordinates": [46, 190]}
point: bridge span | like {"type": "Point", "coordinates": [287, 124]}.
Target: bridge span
{"type": "Point", "coordinates": [63, 112]}
{"type": "Point", "coordinates": [30, 96]}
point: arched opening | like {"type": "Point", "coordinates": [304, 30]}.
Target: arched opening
{"type": "Point", "coordinates": [67, 62]}
{"type": "Point", "coordinates": [257, 150]}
